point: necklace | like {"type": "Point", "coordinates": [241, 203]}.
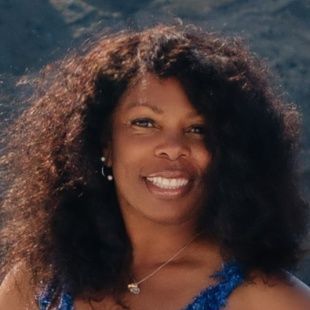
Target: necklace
{"type": "Point", "coordinates": [134, 286]}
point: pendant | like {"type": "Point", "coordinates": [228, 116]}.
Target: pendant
{"type": "Point", "coordinates": [133, 288]}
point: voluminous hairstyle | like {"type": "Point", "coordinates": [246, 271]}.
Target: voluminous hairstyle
{"type": "Point", "coordinates": [62, 217]}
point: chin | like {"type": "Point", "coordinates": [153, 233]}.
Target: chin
{"type": "Point", "coordinates": [164, 218]}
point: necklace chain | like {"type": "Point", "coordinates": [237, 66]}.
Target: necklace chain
{"type": "Point", "coordinates": [134, 287]}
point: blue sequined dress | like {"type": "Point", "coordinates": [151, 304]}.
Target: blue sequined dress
{"type": "Point", "coordinates": [213, 297]}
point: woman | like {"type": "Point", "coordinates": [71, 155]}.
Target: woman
{"type": "Point", "coordinates": [155, 170]}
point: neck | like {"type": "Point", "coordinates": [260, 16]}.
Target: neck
{"type": "Point", "coordinates": [153, 243]}
{"type": "Point", "coordinates": [155, 246]}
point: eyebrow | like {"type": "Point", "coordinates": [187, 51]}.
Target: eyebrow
{"type": "Point", "coordinates": [146, 104]}
{"type": "Point", "coordinates": [156, 109]}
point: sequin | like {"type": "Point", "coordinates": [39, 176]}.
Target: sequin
{"type": "Point", "coordinates": [213, 297]}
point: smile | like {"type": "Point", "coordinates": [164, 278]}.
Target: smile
{"type": "Point", "coordinates": [166, 183]}
{"type": "Point", "coordinates": [168, 188]}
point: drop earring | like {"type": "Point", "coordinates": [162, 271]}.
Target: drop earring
{"type": "Point", "coordinates": [103, 172]}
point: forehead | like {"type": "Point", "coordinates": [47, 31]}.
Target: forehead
{"type": "Point", "coordinates": [159, 95]}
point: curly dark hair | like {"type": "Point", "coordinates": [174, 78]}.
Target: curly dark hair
{"type": "Point", "coordinates": [63, 219]}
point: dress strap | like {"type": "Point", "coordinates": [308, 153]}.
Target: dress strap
{"type": "Point", "coordinates": [215, 296]}
{"type": "Point", "coordinates": [45, 300]}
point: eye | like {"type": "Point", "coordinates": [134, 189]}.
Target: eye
{"type": "Point", "coordinates": [143, 122]}
{"type": "Point", "coordinates": [197, 129]}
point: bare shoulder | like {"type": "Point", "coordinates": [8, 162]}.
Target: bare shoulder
{"type": "Point", "coordinates": [276, 293]}
{"type": "Point", "coordinates": [16, 292]}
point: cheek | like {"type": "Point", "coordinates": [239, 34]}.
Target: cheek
{"type": "Point", "coordinates": [129, 153]}
{"type": "Point", "coordinates": [202, 157]}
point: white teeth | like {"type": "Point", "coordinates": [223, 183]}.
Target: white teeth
{"type": "Point", "coordinates": [167, 183]}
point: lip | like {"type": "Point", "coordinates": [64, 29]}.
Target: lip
{"type": "Point", "coordinates": [170, 174]}
{"type": "Point", "coordinates": [168, 194]}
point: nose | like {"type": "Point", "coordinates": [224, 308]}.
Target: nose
{"type": "Point", "coordinates": [172, 147]}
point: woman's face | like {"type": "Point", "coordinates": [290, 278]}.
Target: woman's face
{"type": "Point", "coordinates": [157, 152]}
